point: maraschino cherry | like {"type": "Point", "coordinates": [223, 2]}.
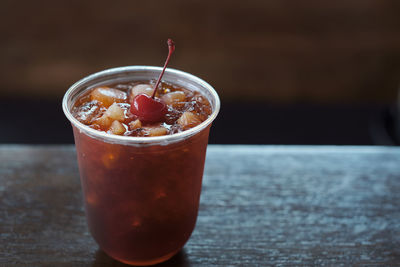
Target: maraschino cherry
{"type": "Point", "coordinates": [151, 109]}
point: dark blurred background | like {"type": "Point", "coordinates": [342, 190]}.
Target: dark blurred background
{"type": "Point", "coordinates": [288, 72]}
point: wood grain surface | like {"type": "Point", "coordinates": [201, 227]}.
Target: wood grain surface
{"type": "Point", "coordinates": [260, 206]}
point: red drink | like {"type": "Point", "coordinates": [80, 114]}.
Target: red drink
{"type": "Point", "coordinates": [141, 193]}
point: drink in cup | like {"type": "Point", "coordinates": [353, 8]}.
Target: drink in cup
{"type": "Point", "coordinates": [141, 176]}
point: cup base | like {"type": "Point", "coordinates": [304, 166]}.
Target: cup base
{"type": "Point", "coordinates": [150, 262]}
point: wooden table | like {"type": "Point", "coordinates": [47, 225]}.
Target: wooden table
{"type": "Point", "coordinates": [260, 205]}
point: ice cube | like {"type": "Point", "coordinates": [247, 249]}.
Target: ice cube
{"type": "Point", "coordinates": [142, 89]}
{"type": "Point", "coordinates": [117, 128]}
{"type": "Point", "coordinates": [188, 120]}
{"type": "Point", "coordinates": [115, 112]}
{"type": "Point", "coordinates": [87, 112]}
{"type": "Point", "coordinates": [107, 95]}
{"type": "Point", "coordinates": [173, 97]}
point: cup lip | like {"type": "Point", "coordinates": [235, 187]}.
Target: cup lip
{"type": "Point", "coordinates": [165, 139]}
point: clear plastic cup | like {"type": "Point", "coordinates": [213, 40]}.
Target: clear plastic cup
{"type": "Point", "coordinates": [141, 194]}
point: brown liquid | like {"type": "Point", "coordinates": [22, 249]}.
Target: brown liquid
{"type": "Point", "coordinates": [141, 202]}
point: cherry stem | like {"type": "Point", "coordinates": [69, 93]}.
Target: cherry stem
{"type": "Point", "coordinates": [171, 48]}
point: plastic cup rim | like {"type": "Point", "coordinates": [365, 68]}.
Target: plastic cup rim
{"type": "Point", "coordinates": [140, 140]}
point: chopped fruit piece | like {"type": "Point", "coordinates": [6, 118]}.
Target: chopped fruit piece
{"type": "Point", "coordinates": [141, 89]}
{"type": "Point", "coordinates": [115, 112]}
{"type": "Point", "coordinates": [104, 121]}
{"type": "Point", "coordinates": [135, 125]}
{"type": "Point", "coordinates": [136, 222]}
{"type": "Point", "coordinates": [173, 97]}
{"type": "Point", "coordinates": [91, 198]}
{"type": "Point", "coordinates": [188, 120]}
{"type": "Point", "coordinates": [109, 160]}
{"type": "Point", "coordinates": [117, 128]}
{"type": "Point", "coordinates": [107, 95]}
{"type": "Point", "coordinates": [157, 131]}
